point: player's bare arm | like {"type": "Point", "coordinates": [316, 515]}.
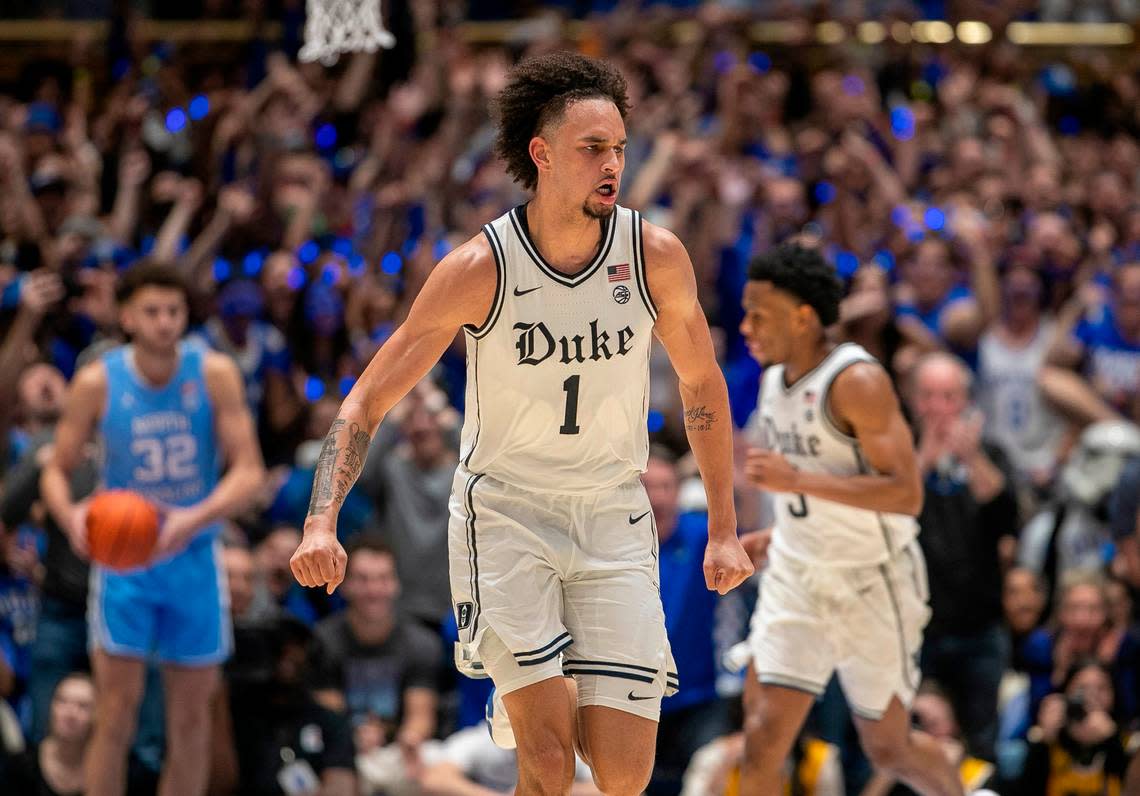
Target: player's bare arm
{"type": "Point", "coordinates": [459, 292]}
{"type": "Point", "coordinates": [863, 404]}
{"type": "Point", "coordinates": [82, 408]}
{"type": "Point", "coordinates": [237, 441]}
{"type": "Point", "coordinates": [682, 329]}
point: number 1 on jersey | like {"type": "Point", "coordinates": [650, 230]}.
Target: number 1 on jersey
{"type": "Point", "coordinates": [570, 421]}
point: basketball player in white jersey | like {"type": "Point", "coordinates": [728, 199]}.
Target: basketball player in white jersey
{"type": "Point", "coordinates": [845, 587]}
{"type": "Point", "coordinates": [552, 548]}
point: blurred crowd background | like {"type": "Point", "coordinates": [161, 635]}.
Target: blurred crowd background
{"type": "Point", "coordinates": [980, 197]}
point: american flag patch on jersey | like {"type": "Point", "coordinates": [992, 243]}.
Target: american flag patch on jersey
{"type": "Point", "coordinates": [619, 272]}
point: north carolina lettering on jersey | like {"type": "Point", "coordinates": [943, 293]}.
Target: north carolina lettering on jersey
{"type": "Point", "coordinates": [536, 344]}
{"type": "Point", "coordinates": [159, 423]}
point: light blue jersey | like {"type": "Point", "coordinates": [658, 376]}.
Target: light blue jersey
{"type": "Point", "coordinates": [160, 442]}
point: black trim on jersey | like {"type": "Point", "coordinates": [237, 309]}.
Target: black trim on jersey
{"type": "Point", "coordinates": [604, 673]}
{"type": "Point", "coordinates": [564, 634]}
{"type": "Point", "coordinates": [639, 261]}
{"type": "Point", "coordinates": [804, 376]}
{"type": "Point", "coordinates": [472, 550]}
{"type": "Point", "coordinates": [478, 418]}
{"type": "Point", "coordinates": [898, 623]}
{"type": "Point", "coordinates": [556, 651]}
{"type": "Point", "coordinates": [518, 220]}
{"type": "Point", "coordinates": [500, 285]}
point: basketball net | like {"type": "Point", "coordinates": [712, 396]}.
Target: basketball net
{"type": "Point", "coordinates": [333, 27]}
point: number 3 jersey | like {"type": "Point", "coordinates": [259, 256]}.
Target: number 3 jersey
{"type": "Point", "coordinates": [558, 374]}
{"type": "Point", "coordinates": [795, 421]}
{"type": "Point", "coordinates": [159, 441]}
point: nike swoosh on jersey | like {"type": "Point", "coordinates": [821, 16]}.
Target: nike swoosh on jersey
{"type": "Point", "coordinates": [634, 520]}
{"type": "Point", "coordinates": [528, 290]}
{"type": "Point", "coordinates": [635, 698]}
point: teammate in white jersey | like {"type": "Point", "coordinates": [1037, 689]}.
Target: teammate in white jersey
{"type": "Point", "coordinates": [553, 552]}
{"type": "Point", "coordinates": [845, 587]}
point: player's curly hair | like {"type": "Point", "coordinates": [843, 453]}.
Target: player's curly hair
{"type": "Point", "coordinates": [538, 92]}
{"type": "Point", "coordinates": [803, 273]}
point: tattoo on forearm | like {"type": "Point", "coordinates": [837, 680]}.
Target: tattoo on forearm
{"type": "Point", "coordinates": [336, 473]}
{"type": "Point", "coordinates": [699, 418]}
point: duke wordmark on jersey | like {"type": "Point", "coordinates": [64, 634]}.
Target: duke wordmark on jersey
{"type": "Point", "coordinates": [536, 344]}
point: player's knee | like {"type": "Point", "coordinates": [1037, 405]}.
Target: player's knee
{"type": "Point", "coordinates": [117, 712]}
{"type": "Point", "coordinates": [886, 753]}
{"type": "Point", "coordinates": [760, 734]}
{"type": "Point", "coordinates": [189, 723]}
{"type": "Point", "coordinates": [549, 762]}
{"type": "Point", "coordinates": [622, 777]}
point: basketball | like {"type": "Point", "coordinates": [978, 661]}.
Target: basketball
{"type": "Point", "coordinates": [122, 527]}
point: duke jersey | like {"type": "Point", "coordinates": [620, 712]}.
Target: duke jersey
{"type": "Point", "coordinates": [558, 374]}
{"type": "Point", "coordinates": [159, 441]}
{"type": "Point", "coordinates": [794, 420]}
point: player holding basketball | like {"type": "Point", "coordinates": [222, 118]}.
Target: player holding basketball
{"type": "Point", "coordinates": [167, 411]}
{"type": "Point", "coordinates": [845, 587]}
{"type": "Point", "coordinates": [552, 547]}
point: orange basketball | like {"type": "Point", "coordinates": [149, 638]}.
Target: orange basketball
{"type": "Point", "coordinates": [122, 528]}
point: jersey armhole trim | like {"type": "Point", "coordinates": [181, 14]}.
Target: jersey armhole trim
{"type": "Point", "coordinates": [639, 269]}
{"type": "Point", "coordinates": [500, 285]}
{"type": "Point", "coordinates": [825, 411]}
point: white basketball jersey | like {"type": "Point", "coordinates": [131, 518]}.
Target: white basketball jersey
{"type": "Point", "coordinates": [1017, 416]}
{"type": "Point", "coordinates": [794, 420]}
{"type": "Point", "coordinates": [558, 375]}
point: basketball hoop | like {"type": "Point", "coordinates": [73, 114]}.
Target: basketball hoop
{"type": "Point", "coordinates": [333, 27]}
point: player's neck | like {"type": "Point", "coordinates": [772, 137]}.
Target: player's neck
{"type": "Point", "coordinates": [371, 630]}
{"type": "Point", "coordinates": [155, 368]}
{"type": "Point", "coordinates": [566, 237]}
{"type": "Point", "coordinates": [805, 358]}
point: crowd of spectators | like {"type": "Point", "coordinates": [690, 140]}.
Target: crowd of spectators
{"type": "Point", "coordinates": [982, 204]}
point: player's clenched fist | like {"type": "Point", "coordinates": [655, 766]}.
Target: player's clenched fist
{"type": "Point", "coordinates": [726, 564]}
{"type": "Point", "coordinates": [320, 560]}
{"type": "Point", "coordinates": [770, 470]}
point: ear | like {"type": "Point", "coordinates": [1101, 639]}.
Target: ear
{"type": "Point", "coordinates": [540, 153]}
{"type": "Point", "coordinates": [806, 316]}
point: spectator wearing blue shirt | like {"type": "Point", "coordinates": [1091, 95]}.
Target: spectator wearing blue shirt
{"type": "Point", "coordinates": [1105, 347]}
{"type": "Point", "coordinates": [695, 715]}
{"type": "Point", "coordinates": [934, 307]}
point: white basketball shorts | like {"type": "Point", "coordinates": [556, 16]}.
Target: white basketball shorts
{"type": "Point", "coordinates": [865, 623]}
{"type": "Point", "coordinates": [546, 585]}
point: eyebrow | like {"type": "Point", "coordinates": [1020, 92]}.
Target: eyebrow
{"type": "Point", "coordinates": [593, 139]}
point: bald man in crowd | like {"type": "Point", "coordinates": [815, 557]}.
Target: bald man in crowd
{"type": "Point", "coordinates": [968, 524]}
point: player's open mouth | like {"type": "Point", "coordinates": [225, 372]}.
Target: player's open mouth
{"type": "Point", "coordinates": [607, 190]}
